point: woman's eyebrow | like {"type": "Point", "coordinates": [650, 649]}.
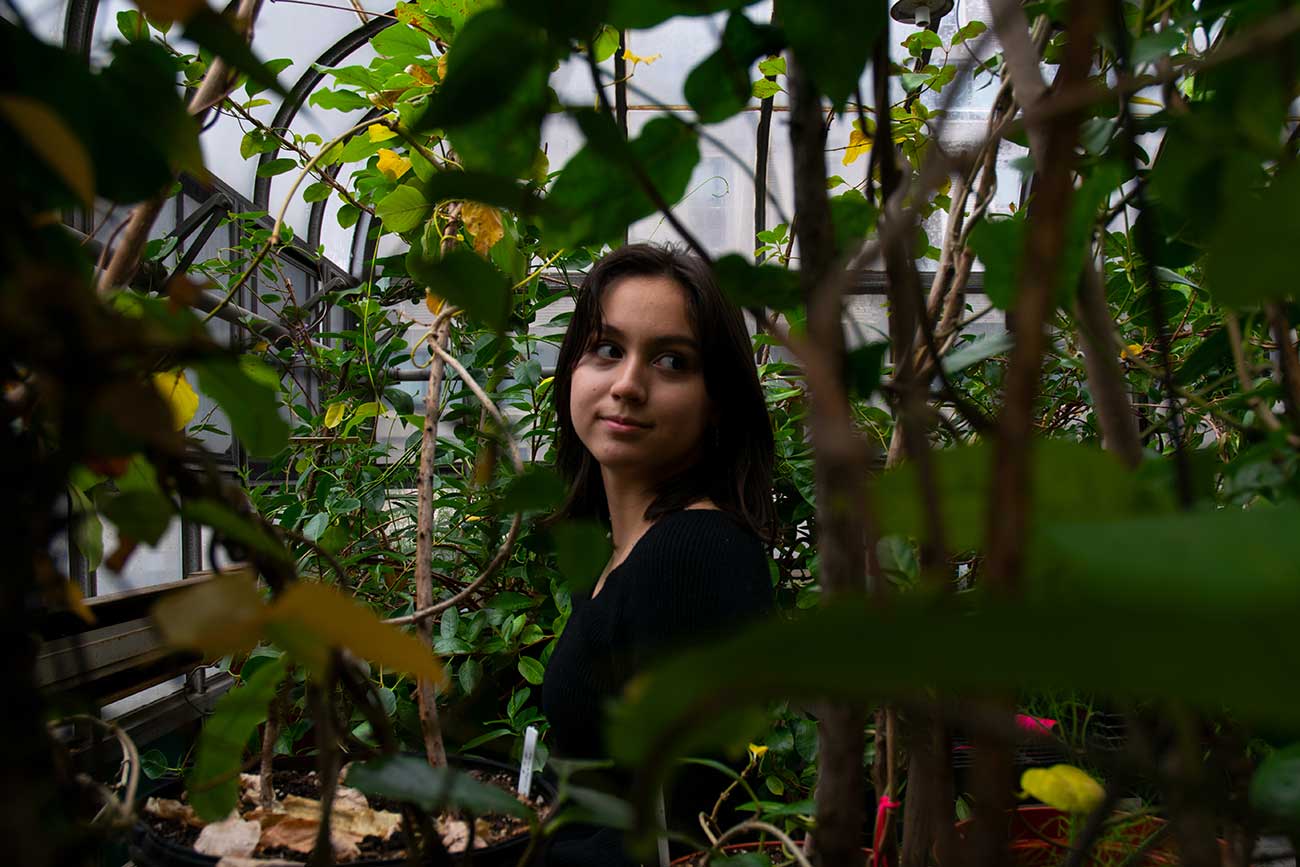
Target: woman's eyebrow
{"type": "Point", "coordinates": [663, 340]}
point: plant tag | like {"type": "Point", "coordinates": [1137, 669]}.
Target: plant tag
{"type": "Point", "coordinates": [526, 761]}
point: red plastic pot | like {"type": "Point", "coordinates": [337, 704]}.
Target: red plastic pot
{"type": "Point", "coordinates": [1040, 837]}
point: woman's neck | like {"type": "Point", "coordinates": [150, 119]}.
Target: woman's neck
{"type": "Point", "coordinates": [628, 500]}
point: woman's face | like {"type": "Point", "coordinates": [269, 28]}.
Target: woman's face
{"type": "Point", "coordinates": [637, 399]}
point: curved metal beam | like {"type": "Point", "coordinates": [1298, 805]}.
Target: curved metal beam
{"type": "Point", "coordinates": [303, 88]}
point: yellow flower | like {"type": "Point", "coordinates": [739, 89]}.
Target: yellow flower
{"type": "Point", "coordinates": [756, 752]}
{"type": "Point", "coordinates": [392, 165]}
{"type": "Point", "coordinates": [180, 397]}
{"type": "Point", "coordinates": [1133, 350]}
{"type": "Point", "coordinates": [634, 59]}
{"type": "Point", "coordinates": [1064, 787]}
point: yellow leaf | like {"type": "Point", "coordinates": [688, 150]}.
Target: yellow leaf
{"type": "Point", "coordinates": [379, 132]}
{"type": "Point", "coordinates": [1064, 787]}
{"type": "Point", "coordinates": [392, 165]}
{"type": "Point", "coordinates": [433, 302]}
{"type": "Point", "coordinates": [442, 67]}
{"type": "Point", "coordinates": [1142, 100]}
{"type": "Point", "coordinates": [420, 74]}
{"type": "Point", "coordinates": [859, 144]}
{"type": "Point", "coordinates": [1133, 350]}
{"type": "Point", "coordinates": [334, 414]}
{"type": "Point", "coordinates": [220, 616]}
{"type": "Point", "coordinates": [76, 602]}
{"type": "Point", "coordinates": [336, 620]}
{"type": "Point", "coordinates": [180, 397]}
{"type": "Point", "coordinates": [484, 223]}
{"type": "Point", "coordinates": [56, 145]}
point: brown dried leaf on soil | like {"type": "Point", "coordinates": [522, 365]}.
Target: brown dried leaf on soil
{"type": "Point", "coordinates": [352, 814]}
{"type": "Point", "coordinates": [174, 810]}
{"type": "Point", "coordinates": [236, 861]}
{"type": "Point", "coordinates": [455, 833]}
{"type": "Point", "coordinates": [230, 836]}
{"type": "Point", "coordinates": [299, 835]}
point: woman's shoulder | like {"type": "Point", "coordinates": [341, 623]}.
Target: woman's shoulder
{"type": "Point", "coordinates": [701, 540]}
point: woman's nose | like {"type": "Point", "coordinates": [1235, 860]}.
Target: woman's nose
{"type": "Point", "coordinates": [628, 383]}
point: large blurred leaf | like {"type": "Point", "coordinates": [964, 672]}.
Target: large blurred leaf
{"type": "Point", "coordinates": [582, 549]}
{"type": "Point", "coordinates": [644, 14]}
{"type": "Point", "coordinates": [751, 285]}
{"type": "Point", "coordinates": [537, 489]}
{"type": "Point", "coordinates": [1275, 788]}
{"type": "Point", "coordinates": [252, 405]}
{"type": "Point", "coordinates": [50, 138]}
{"type": "Point", "coordinates": [817, 30]}
{"type": "Point", "coordinates": [852, 651]}
{"type": "Point", "coordinates": [220, 616]}
{"type": "Point", "coordinates": [141, 515]}
{"type": "Point", "coordinates": [1069, 479]}
{"type": "Point", "coordinates": [466, 280]}
{"type": "Point", "coordinates": [1252, 257]}
{"type": "Point", "coordinates": [853, 217]}
{"type": "Point", "coordinates": [410, 779]}
{"type": "Point", "coordinates": [213, 783]}
{"type": "Point", "coordinates": [1238, 560]}
{"type": "Point", "coordinates": [719, 86]}
{"type": "Point", "coordinates": [599, 193]}
{"type": "Point", "coordinates": [488, 188]}
{"type": "Point", "coordinates": [234, 526]}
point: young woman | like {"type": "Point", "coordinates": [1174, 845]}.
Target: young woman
{"type": "Point", "coordinates": [664, 436]}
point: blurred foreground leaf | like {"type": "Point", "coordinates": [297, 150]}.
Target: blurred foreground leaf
{"type": "Point", "coordinates": [411, 779]}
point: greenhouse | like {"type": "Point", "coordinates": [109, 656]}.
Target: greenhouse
{"type": "Point", "coordinates": [649, 432]}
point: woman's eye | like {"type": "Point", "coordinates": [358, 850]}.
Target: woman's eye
{"type": "Point", "coordinates": [605, 350]}
{"type": "Point", "coordinates": [673, 361]}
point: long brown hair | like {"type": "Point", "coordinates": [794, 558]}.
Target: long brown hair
{"type": "Point", "coordinates": [735, 471]}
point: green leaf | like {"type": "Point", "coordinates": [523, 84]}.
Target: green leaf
{"type": "Point", "coordinates": [87, 529]}
{"type": "Point", "coordinates": [998, 244]}
{"type": "Point", "coordinates": [977, 350]}
{"type": "Point", "coordinates": [470, 675]}
{"type": "Point", "coordinates": [835, 65]}
{"type": "Point", "coordinates": [141, 515]}
{"type": "Point", "coordinates": [252, 406]}
{"type": "Point", "coordinates": [316, 526]}
{"type": "Point", "coordinates": [772, 66]}
{"type": "Point", "coordinates": [401, 43]}
{"type": "Point", "coordinates": [213, 784]}
{"type": "Point", "coordinates": [410, 779]}
{"type": "Point", "coordinates": [132, 26]}
{"type": "Point", "coordinates": [538, 489]}
{"type": "Point", "coordinates": [1275, 788]}
{"type": "Point", "coordinates": [1153, 46]}
{"type": "Point", "coordinates": [214, 31]}
{"type": "Point", "coordinates": [489, 189]}
{"type": "Point", "coordinates": [582, 549]}
{"type": "Point", "coordinates": [317, 192]}
{"type": "Point", "coordinates": [853, 217]}
{"type": "Point", "coordinates": [275, 67]}
{"type": "Point", "coordinates": [531, 670]}
{"type": "Point", "coordinates": [764, 88]}
{"type": "Point", "coordinates": [862, 369]}
{"type": "Point", "coordinates": [233, 526]}
{"type": "Point", "coordinates": [719, 86]}
{"type": "Point", "coordinates": [276, 167]}
{"type": "Point", "coordinates": [339, 100]}
{"type": "Point", "coordinates": [599, 192]}
{"type": "Point", "coordinates": [606, 43]}
{"type": "Point", "coordinates": [403, 209]}
{"type": "Point", "coordinates": [969, 31]}
{"type": "Point", "coordinates": [465, 279]}
{"type": "Point", "coordinates": [750, 285]}
{"type": "Point", "coordinates": [1251, 259]}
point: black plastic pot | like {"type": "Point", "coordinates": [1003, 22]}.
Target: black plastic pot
{"type": "Point", "coordinates": [149, 849]}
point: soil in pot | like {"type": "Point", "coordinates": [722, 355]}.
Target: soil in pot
{"type": "Point", "coordinates": [366, 830]}
{"type": "Point", "coordinates": [772, 849]}
{"type": "Point", "coordinates": [1040, 837]}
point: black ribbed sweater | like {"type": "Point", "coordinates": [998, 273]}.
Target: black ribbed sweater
{"type": "Point", "coordinates": [694, 575]}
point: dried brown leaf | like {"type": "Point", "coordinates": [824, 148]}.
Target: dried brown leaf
{"type": "Point", "coordinates": [230, 836]}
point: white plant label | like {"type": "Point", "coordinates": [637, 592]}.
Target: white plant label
{"type": "Point", "coordinates": [526, 761]}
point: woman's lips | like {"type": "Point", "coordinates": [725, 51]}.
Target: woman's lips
{"type": "Point", "coordinates": [618, 426]}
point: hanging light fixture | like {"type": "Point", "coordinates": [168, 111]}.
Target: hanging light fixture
{"type": "Point", "coordinates": [922, 13]}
